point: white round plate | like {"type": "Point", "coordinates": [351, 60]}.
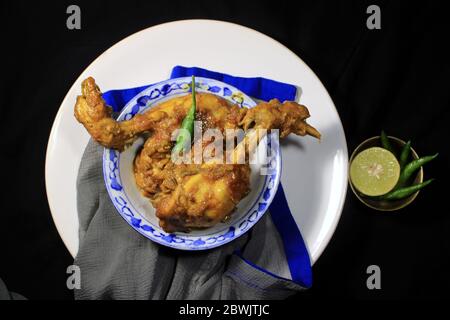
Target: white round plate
{"type": "Point", "coordinates": [138, 211]}
{"type": "Point", "coordinates": [314, 173]}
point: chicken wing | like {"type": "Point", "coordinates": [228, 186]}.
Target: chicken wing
{"type": "Point", "coordinates": [95, 115]}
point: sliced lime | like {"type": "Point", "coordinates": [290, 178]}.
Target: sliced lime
{"type": "Point", "coordinates": [374, 171]}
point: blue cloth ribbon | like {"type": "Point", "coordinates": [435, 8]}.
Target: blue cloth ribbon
{"type": "Point", "coordinates": [264, 89]}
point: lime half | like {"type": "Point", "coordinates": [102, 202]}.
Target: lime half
{"type": "Point", "coordinates": [374, 171]}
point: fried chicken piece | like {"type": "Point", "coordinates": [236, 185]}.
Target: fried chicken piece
{"type": "Point", "coordinates": [289, 117]}
{"type": "Point", "coordinates": [95, 115]}
{"type": "Point", "coordinates": [201, 195]}
{"type": "Point", "coordinates": [188, 196]}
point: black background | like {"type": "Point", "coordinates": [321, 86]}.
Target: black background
{"type": "Point", "coordinates": [395, 79]}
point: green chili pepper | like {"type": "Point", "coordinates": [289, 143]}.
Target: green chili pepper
{"type": "Point", "coordinates": [411, 168]}
{"type": "Point", "coordinates": [187, 126]}
{"type": "Point", "coordinates": [385, 143]}
{"type": "Point", "coordinates": [406, 191]}
{"type": "Point", "coordinates": [404, 155]}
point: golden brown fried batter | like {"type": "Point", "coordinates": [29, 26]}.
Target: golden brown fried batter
{"type": "Point", "coordinates": [188, 196]}
{"type": "Point", "coordinates": [199, 196]}
{"type": "Point", "coordinates": [95, 115]}
{"type": "Point", "coordinates": [289, 117]}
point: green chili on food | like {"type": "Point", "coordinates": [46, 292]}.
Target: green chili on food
{"type": "Point", "coordinates": [187, 126]}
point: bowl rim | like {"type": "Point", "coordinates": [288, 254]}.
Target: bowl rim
{"type": "Point", "coordinates": [271, 182]}
{"type": "Point", "coordinates": [407, 200]}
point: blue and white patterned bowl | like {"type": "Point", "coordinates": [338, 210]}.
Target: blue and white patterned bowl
{"type": "Point", "coordinates": [138, 211]}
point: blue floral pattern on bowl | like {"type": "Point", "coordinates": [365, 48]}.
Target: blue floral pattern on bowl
{"type": "Point", "coordinates": [137, 220]}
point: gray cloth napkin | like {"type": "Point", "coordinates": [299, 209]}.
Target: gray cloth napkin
{"type": "Point", "coordinates": [116, 262]}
